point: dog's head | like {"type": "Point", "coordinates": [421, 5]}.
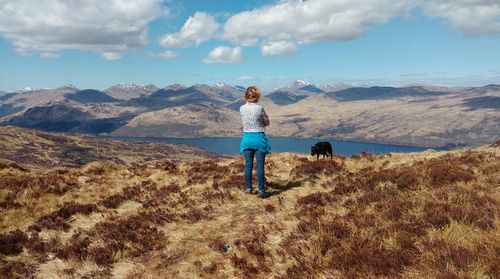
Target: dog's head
{"type": "Point", "coordinates": [313, 150]}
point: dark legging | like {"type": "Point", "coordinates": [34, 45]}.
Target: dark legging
{"type": "Point", "coordinates": [261, 157]}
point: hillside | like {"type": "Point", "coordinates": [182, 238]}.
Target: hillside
{"type": "Point", "coordinates": [36, 149]}
{"type": "Point", "coordinates": [183, 121]}
{"type": "Point", "coordinates": [448, 119]}
{"type": "Point", "coordinates": [416, 215]}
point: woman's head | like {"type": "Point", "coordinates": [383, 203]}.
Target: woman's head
{"type": "Point", "coordinates": [252, 94]}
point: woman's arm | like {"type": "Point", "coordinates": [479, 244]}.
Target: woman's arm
{"type": "Point", "coordinates": [265, 118]}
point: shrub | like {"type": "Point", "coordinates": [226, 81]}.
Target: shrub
{"type": "Point", "coordinates": [345, 184]}
{"type": "Point", "coordinates": [437, 214]}
{"type": "Point", "coordinates": [247, 269]}
{"type": "Point", "coordinates": [16, 182]}
{"type": "Point", "coordinates": [133, 236]}
{"type": "Point", "coordinates": [312, 168]}
{"type": "Point", "coordinates": [270, 208]}
{"type": "Point", "coordinates": [403, 177]}
{"type": "Point", "coordinates": [12, 243]}
{"type": "Point", "coordinates": [100, 168]}
{"type": "Point", "coordinates": [113, 201]}
{"type": "Point", "coordinates": [364, 155]}
{"type": "Point", "coordinates": [495, 144]}
{"type": "Point", "coordinates": [317, 199]}
{"type": "Point", "coordinates": [56, 183]}
{"type": "Point", "coordinates": [445, 254]}
{"type": "Point", "coordinates": [40, 246]}
{"type": "Point", "coordinates": [167, 166]}
{"type": "Point", "coordinates": [57, 219]}
{"type": "Point", "coordinates": [13, 166]}
{"type": "Point", "coordinates": [17, 269]}
{"type": "Point", "coordinates": [10, 202]}
{"type": "Point", "coordinates": [445, 173]}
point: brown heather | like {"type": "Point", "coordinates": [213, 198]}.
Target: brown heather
{"type": "Point", "coordinates": [418, 215]}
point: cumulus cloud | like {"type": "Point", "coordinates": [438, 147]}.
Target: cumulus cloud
{"type": "Point", "coordinates": [108, 27]}
{"type": "Point", "coordinates": [168, 54]}
{"type": "Point", "coordinates": [225, 55]}
{"type": "Point", "coordinates": [280, 28]}
{"type": "Point", "coordinates": [472, 17]}
{"type": "Point", "coordinates": [197, 29]}
{"type": "Point", "coordinates": [311, 21]}
{"type": "Point", "coordinates": [281, 48]}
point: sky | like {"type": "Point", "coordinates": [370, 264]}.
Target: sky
{"type": "Point", "coordinates": [99, 43]}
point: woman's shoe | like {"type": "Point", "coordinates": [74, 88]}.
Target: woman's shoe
{"type": "Point", "coordinates": [248, 191]}
{"type": "Point", "coordinates": [264, 195]}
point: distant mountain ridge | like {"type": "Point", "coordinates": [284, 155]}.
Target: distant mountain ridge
{"type": "Point", "coordinates": [378, 92]}
{"type": "Point", "coordinates": [126, 91]}
{"type": "Point", "coordinates": [89, 96]}
{"type": "Point", "coordinates": [414, 115]}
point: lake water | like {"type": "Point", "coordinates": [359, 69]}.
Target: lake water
{"type": "Point", "coordinates": [230, 145]}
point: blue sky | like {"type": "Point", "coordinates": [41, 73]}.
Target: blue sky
{"type": "Point", "coordinates": [98, 43]}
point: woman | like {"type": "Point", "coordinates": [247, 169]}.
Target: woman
{"type": "Point", "coordinates": [254, 141]}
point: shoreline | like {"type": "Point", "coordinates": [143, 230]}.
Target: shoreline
{"type": "Point", "coordinates": [350, 140]}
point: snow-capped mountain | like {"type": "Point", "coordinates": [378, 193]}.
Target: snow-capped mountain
{"type": "Point", "coordinates": [301, 82]}
{"type": "Point", "coordinates": [26, 89]}
{"type": "Point", "coordinates": [297, 84]}
{"type": "Point", "coordinates": [334, 87]}
{"type": "Point", "coordinates": [175, 86]}
{"type": "Point", "coordinates": [133, 86]}
{"type": "Point", "coordinates": [294, 92]}
{"type": "Point", "coordinates": [69, 87]}
{"type": "Point", "coordinates": [126, 91]}
{"type": "Point", "coordinates": [221, 84]}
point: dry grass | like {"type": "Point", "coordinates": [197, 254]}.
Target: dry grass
{"type": "Point", "coordinates": [419, 215]}
{"type": "Point", "coordinates": [32, 149]}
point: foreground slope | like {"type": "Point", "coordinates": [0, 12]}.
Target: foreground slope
{"type": "Point", "coordinates": [37, 149]}
{"type": "Point", "coordinates": [418, 215]}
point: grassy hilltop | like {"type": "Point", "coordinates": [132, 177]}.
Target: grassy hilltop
{"type": "Point", "coordinates": [417, 215]}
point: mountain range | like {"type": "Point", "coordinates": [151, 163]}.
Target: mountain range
{"type": "Point", "coordinates": [411, 115]}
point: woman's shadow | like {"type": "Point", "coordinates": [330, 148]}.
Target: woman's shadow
{"type": "Point", "coordinates": [279, 187]}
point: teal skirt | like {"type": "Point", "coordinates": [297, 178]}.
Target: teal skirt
{"type": "Point", "coordinates": [255, 140]}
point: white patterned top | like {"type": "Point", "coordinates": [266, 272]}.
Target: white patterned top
{"type": "Point", "coordinates": [253, 117]}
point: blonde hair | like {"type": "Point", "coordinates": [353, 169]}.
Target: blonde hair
{"type": "Point", "coordinates": [252, 94]}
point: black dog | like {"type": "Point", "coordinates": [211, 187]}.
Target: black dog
{"type": "Point", "coordinates": [322, 147]}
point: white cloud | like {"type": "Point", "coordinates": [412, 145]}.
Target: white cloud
{"type": "Point", "coordinates": [244, 78]}
{"type": "Point", "coordinates": [197, 29]}
{"type": "Point", "coordinates": [312, 21]}
{"type": "Point", "coordinates": [49, 55]}
{"type": "Point", "coordinates": [472, 17]}
{"type": "Point", "coordinates": [111, 55]}
{"type": "Point", "coordinates": [280, 28]}
{"type": "Point", "coordinates": [108, 27]}
{"type": "Point", "coordinates": [281, 48]}
{"type": "Point", "coordinates": [168, 54]}
{"type": "Point", "coordinates": [225, 55]}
